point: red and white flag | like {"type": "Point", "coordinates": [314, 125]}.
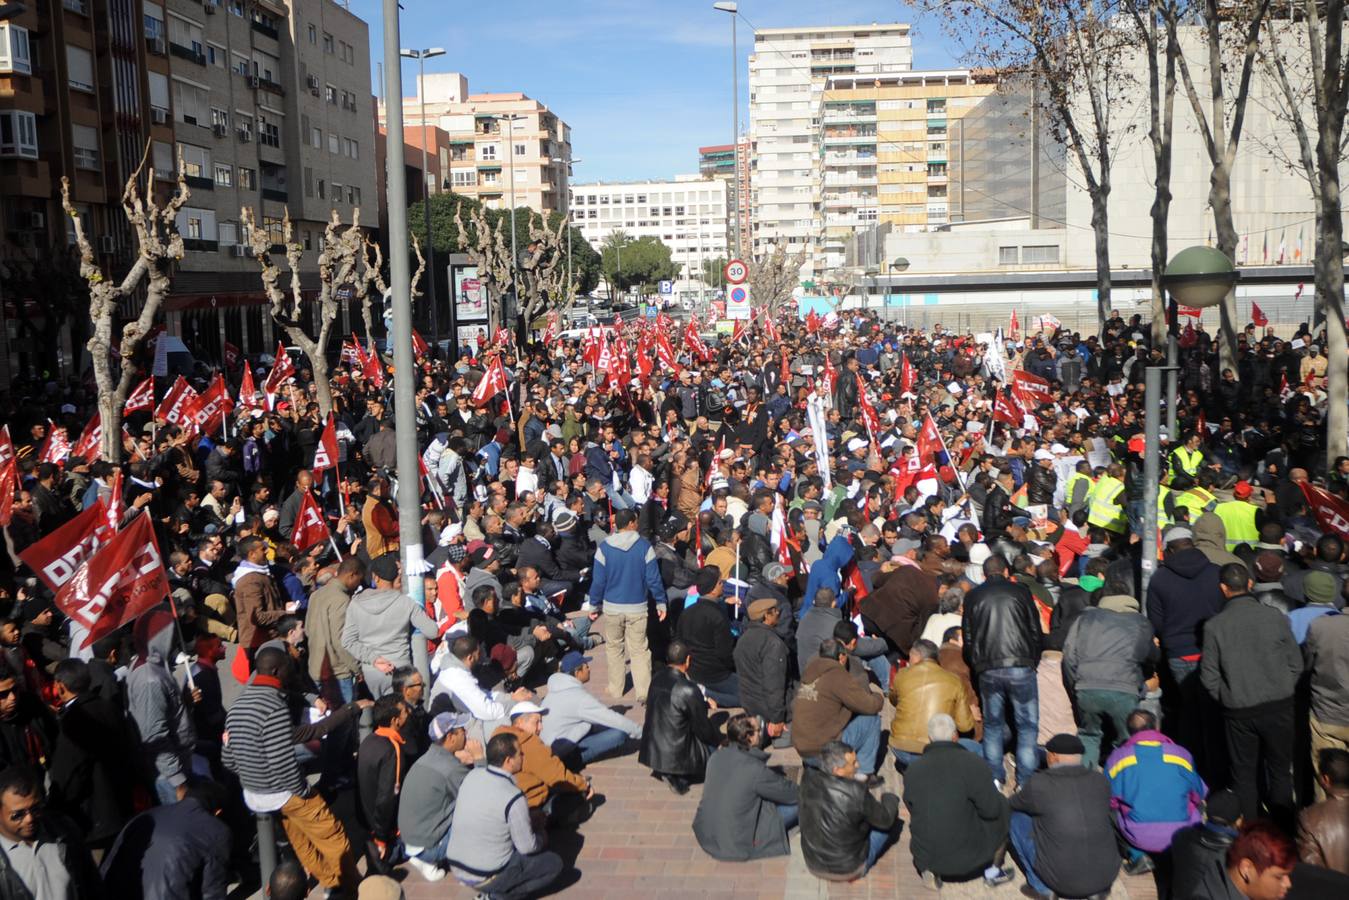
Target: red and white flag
{"type": "Point", "coordinates": [738, 331]}
{"type": "Point", "coordinates": [907, 377]}
{"type": "Point", "coordinates": [325, 452]}
{"type": "Point", "coordinates": [1006, 411]}
{"type": "Point", "coordinates": [1258, 315]}
{"type": "Point", "coordinates": [90, 445]}
{"type": "Point", "coordinates": [143, 397]}
{"type": "Point", "coordinates": [693, 341]}
{"type": "Point", "coordinates": [213, 405]}
{"type": "Point", "coordinates": [770, 329]}
{"type": "Point", "coordinates": [56, 446]}
{"type": "Point", "coordinates": [869, 417]}
{"type": "Point", "coordinates": [1016, 325]}
{"type": "Point", "coordinates": [1032, 386]}
{"type": "Point", "coordinates": [116, 505]}
{"type": "Point", "coordinates": [178, 405]}
{"type": "Point", "coordinates": [420, 349]}
{"type": "Point", "coordinates": [310, 529]}
{"type": "Point", "coordinates": [282, 370]}
{"type": "Point", "coordinates": [619, 371]}
{"type": "Point", "coordinates": [493, 382]}
{"type": "Point", "coordinates": [56, 557]}
{"type": "Point", "coordinates": [1190, 312]}
{"type": "Point", "coordinates": [929, 443]}
{"type": "Point", "coordinates": [1331, 513]}
{"type": "Point", "coordinates": [248, 393]}
{"type": "Point", "coordinates": [9, 476]}
{"type": "Point", "coordinates": [351, 352]}
{"type": "Point", "coordinates": [121, 581]}
{"type": "Point", "coordinates": [372, 367]}
{"type": "Point", "coordinates": [233, 355]}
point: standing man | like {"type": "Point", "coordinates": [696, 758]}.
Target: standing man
{"type": "Point", "coordinates": [331, 666]}
{"type": "Point", "coordinates": [379, 625]}
{"type": "Point", "coordinates": [625, 580]}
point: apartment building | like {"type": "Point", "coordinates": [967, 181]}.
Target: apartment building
{"type": "Point", "coordinates": [889, 141]}
{"type": "Point", "coordinates": [721, 161]}
{"type": "Point", "coordinates": [500, 143]}
{"type": "Point", "coordinates": [789, 73]}
{"type": "Point", "coordinates": [689, 215]}
{"type": "Point", "coordinates": [267, 102]}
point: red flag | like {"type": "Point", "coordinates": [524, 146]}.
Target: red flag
{"type": "Point", "coordinates": [121, 581]}
{"type": "Point", "coordinates": [1331, 513]}
{"type": "Point", "coordinates": [351, 353]}
{"type": "Point", "coordinates": [554, 328]}
{"type": "Point", "coordinates": [1283, 386]}
{"type": "Point", "coordinates": [56, 447]}
{"type": "Point", "coordinates": [1032, 386]}
{"type": "Point", "coordinates": [282, 369]}
{"type": "Point", "coordinates": [232, 355]}
{"type": "Point", "coordinates": [325, 452]}
{"type": "Point", "coordinates": [55, 558]}
{"type": "Point", "coordinates": [1190, 312]}
{"type": "Point", "coordinates": [493, 382]}
{"type": "Point", "coordinates": [869, 417]}
{"type": "Point", "coordinates": [1016, 325]}
{"type": "Point", "coordinates": [619, 371]}
{"type": "Point", "coordinates": [693, 341]}
{"type": "Point", "coordinates": [1004, 410]}
{"type": "Point", "coordinates": [907, 378]}
{"type": "Point", "coordinates": [419, 346]}
{"type": "Point", "coordinates": [1298, 294]}
{"type": "Point", "coordinates": [1257, 316]}
{"type": "Point", "coordinates": [248, 393]}
{"type": "Point", "coordinates": [9, 476]}
{"type": "Point", "coordinates": [1114, 412]}
{"type": "Point", "coordinates": [178, 404]}
{"type": "Point", "coordinates": [665, 353]}
{"type": "Point", "coordinates": [812, 322]}
{"type": "Point", "coordinates": [310, 529]}
{"type": "Point", "coordinates": [738, 331]}
{"type": "Point", "coordinates": [929, 442]}
{"type": "Point", "coordinates": [116, 506]}
{"type": "Point", "coordinates": [1201, 426]}
{"type": "Point", "coordinates": [786, 373]}
{"type": "Point", "coordinates": [90, 445]}
{"type": "Point", "coordinates": [830, 375]}
{"type": "Point", "coordinates": [770, 329]}
{"type": "Point", "coordinates": [372, 367]}
{"type": "Point", "coordinates": [213, 404]}
{"type": "Point", "coordinates": [143, 397]}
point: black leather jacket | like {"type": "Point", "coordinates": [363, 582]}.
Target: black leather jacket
{"type": "Point", "coordinates": [837, 816]}
{"type": "Point", "coordinates": [1042, 485]}
{"type": "Point", "coordinates": [1001, 626]}
{"type": "Point", "coordinates": [677, 732]}
{"type": "Point", "coordinates": [1200, 858]}
{"type": "Point", "coordinates": [755, 553]}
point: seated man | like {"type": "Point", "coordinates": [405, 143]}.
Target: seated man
{"type": "Point", "coordinates": [736, 818]}
{"type": "Point", "coordinates": [578, 727]}
{"type": "Point", "coordinates": [957, 818]}
{"type": "Point", "coordinates": [1154, 790]}
{"type": "Point", "coordinates": [678, 736]}
{"type": "Point", "coordinates": [865, 653]}
{"type": "Point", "coordinates": [844, 829]}
{"type": "Point", "coordinates": [547, 784]}
{"type": "Point", "coordinates": [1322, 838]}
{"type": "Point", "coordinates": [456, 688]}
{"type": "Point", "coordinates": [831, 705]}
{"type": "Point", "coordinates": [430, 790]}
{"type": "Point", "coordinates": [920, 691]}
{"type": "Point", "coordinates": [706, 628]}
{"type": "Point", "coordinates": [762, 661]}
{"type": "Point", "coordinates": [1062, 832]}
{"type": "Point", "coordinates": [569, 632]}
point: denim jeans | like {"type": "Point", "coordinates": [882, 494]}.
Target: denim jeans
{"type": "Point", "coordinates": [878, 842]}
{"type": "Point", "coordinates": [597, 743]}
{"type": "Point", "coordinates": [880, 667]}
{"type": "Point", "coordinates": [791, 815]}
{"type": "Point", "coordinates": [725, 691]}
{"type": "Point", "coordinates": [436, 854]}
{"type": "Point", "coordinates": [904, 759]}
{"type": "Point", "coordinates": [1016, 688]}
{"type": "Point", "coordinates": [863, 734]}
{"type": "Point", "coordinates": [1022, 834]}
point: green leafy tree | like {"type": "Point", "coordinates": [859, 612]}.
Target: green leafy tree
{"type": "Point", "coordinates": [714, 273]}
{"type": "Point", "coordinates": [642, 262]}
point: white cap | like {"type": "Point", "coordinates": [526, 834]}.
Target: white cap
{"type": "Point", "coordinates": [525, 707]}
{"type": "Point", "coordinates": [1059, 450]}
{"type": "Point", "coordinates": [1044, 454]}
{"type": "Point", "coordinates": [856, 444]}
{"type": "Point", "coordinates": [450, 532]}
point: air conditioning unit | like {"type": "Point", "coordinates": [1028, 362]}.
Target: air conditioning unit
{"type": "Point", "coordinates": [240, 250]}
{"type": "Point", "coordinates": [245, 136]}
{"type": "Point", "coordinates": [313, 81]}
{"type": "Point", "coordinates": [314, 91]}
{"type": "Point", "coordinates": [37, 220]}
{"type": "Point", "coordinates": [210, 8]}
{"type": "Point", "coordinates": [106, 244]}
{"type": "Point", "coordinates": [220, 129]}
{"type": "Point", "coordinates": [155, 46]}
{"type": "Point", "coordinates": [159, 116]}
{"type": "Point", "coordinates": [254, 81]}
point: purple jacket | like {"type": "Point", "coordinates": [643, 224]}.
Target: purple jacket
{"type": "Point", "coordinates": [1154, 790]}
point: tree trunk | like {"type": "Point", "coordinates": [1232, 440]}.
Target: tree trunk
{"type": "Point", "coordinates": [318, 364]}
{"type": "Point", "coordinates": [1220, 198]}
{"type": "Point", "coordinates": [1330, 292]}
{"type": "Point", "coordinates": [1100, 226]}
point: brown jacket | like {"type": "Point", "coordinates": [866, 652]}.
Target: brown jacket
{"type": "Point", "coordinates": [543, 771]}
{"type": "Point", "coordinates": [323, 623]}
{"type": "Point", "coordinates": [380, 518]}
{"type": "Point", "coordinates": [689, 496]}
{"type": "Point", "coordinates": [919, 693]}
{"type": "Point", "coordinates": [1323, 832]}
{"type": "Point", "coordinates": [900, 605]}
{"type": "Point", "coordinates": [951, 658]}
{"type": "Point", "coordinates": [826, 701]}
{"type": "Point", "coordinates": [258, 606]}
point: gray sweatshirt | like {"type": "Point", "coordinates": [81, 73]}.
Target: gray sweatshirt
{"type": "Point", "coordinates": [155, 701]}
{"type": "Point", "coordinates": [491, 820]}
{"type": "Point", "coordinates": [380, 622]}
{"type": "Point", "coordinates": [572, 710]}
{"type": "Point", "coordinates": [427, 800]}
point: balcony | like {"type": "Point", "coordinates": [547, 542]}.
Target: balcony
{"type": "Point", "coordinates": [187, 53]}
{"type": "Point", "coordinates": [848, 201]}
{"type": "Point", "coordinates": [852, 158]}
{"type": "Point", "coordinates": [845, 115]}
{"type": "Point", "coordinates": [199, 182]}
{"type": "Point", "coordinates": [200, 244]}
{"type": "Point", "coordinates": [268, 30]}
{"type": "Point", "coordinates": [847, 136]}
{"type": "Point", "coordinates": [280, 195]}
{"type": "Point", "coordinates": [271, 87]}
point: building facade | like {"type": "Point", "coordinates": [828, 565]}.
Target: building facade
{"type": "Point", "coordinates": [689, 215]}
{"type": "Point", "coordinates": [789, 73]}
{"type": "Point", "coordinates": [501, 144]}
{"type": "Point", "coordinates": [721, 161]}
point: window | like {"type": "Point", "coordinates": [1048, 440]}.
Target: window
{"type": "Point", "coordinates": [328, 46]}
{"type": "Point", "coordinates": [268, 132]}
{"type": "Point", "coordinates": [196, 160]}
{"type": "Point", "coordinates": [215, 56]}
{"type": "Point", "coordinates": [162, 160]}
{"type": "Point", "coordinates": [337, 192]}
{"type": "Point", "coordinates": [186, 35]}
{"type": "Point", "coordinates": [316, 138]}
{"type": "Point", "coordinates": [521, 149]}
{"type": "Point", "coordinates": [190, 103]}
{"type": "Point", "coordinates": [313, 35]}
{"type": "Point", "coordinates": [154, 24]}
{"type": "Point", "coordinates": [85, 141]}
{"type": "Point", "coordinates": [14, 56]}
{"type": "Point", "coordinates": [241, 66]}
{"type": "Point", "coordinates": [245, 126]}
{"type": "Point", "coordinates": [229, 233]}
{"type": "Point", "coordinates": [330, 94]}
{"type": "Point", "coordinates": [521, 175]}
{"type": "Point", "coordinates": [196, 224]}
{"type": "Point", "coordinates": [487, 151]}
{"type": "Point", "coordinates": [79, 68]}
{"type": "Point", "coordinates": [489, 177]}
{"type": "Point", "coordinates": [352, 148]}
{"type": "Point", "coordinates": [334, 143]}
{"type": "Point", "coordinates": [224, 175]}
{"type": "Point", "coordinates": [275, 228]}
{"type": "Point", "coordinates": [351, 194]}
{"type": "Point", "coordinates": [219, 117]}
{"type": "Point", "coordinates": [237, 8]}
{"type": "Point", "coordinates": [159, 92]}
{"type": "Point", "coordinates": [462, 178]}
{"type": "Point", "coordinates": [1040, 254]}
{"type": "Point", "coordinates": [248, 179]}
{"type": "Point", "coordinates": [323, 188]}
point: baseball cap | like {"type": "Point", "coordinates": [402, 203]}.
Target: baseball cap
{"type": "Point", "coordinates": [1044, 454]}
{"type": "Point", "coordinates": [446, 722]}
{"type": "Point", "coordinates": [774, 571]}
{"type": "Point", "coordinates": [385, 567]}
{"type": "Point", "coordinates": [856, 444]}
{"type": "Point", "coordinates": [571, 661]}
{"type": "Point", "coordinates": [525, 707]}
{"type": "Point", "coordinates": [1241, 490]}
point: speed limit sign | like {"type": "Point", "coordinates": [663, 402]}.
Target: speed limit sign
{"type": "Point", "coordinates": [736, 271]}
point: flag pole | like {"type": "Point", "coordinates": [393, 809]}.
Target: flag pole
{"type": "Point", "coordinates": [182, 637]}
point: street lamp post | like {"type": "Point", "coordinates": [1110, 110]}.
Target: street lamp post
{"type": "Point", "coordinates": [729, 7]}
{"type": "Point", "coordinates": [422, 56]}
{"type": "Point", "coordinates": [571, 293]}
{"type": "Point", "coordinates": [510, 118]}
{"type": "Point", "coordinates": [901, 264]}
{"type": "Point", "coordinates": [1200, 277]}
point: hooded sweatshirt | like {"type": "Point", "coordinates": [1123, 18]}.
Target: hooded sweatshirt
{"type": "Point", "coordinates": [380, 622]}
{"type": "Point", "coordinates": [1182, 596]}
{"type": "Point", "coordinates": [155, 700]}
{"type": "Point", "coordinates": [626, 573]}
{"type": "Point", "coordinates": [572, 710]}
{"type": "Point", "coordinates": [1210, 536]}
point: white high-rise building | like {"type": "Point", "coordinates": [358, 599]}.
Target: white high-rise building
{"type": "Point", "coordinates": [788, 73]}
{"type": "Point", "coordinates": [688, 215]}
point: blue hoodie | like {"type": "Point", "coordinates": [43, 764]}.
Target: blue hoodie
{"type": "Point", "coordinates": [625, 574]}
{"type": "Point", "coordinates": [825, 573]}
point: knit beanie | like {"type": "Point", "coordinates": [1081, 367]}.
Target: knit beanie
{"type": "Point", "coordinates": [1319, 588]}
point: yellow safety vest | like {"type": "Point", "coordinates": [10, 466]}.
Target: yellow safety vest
{"type": "Point", "coordinates": [1104, 510]}
{"type": "Point", "coordinates": [1071, 487]}
{"type": "Point", "coordinates": [1198, 501]}
{"type": "Point", "coordinates": [1163, 518]}
{"type": "Point", "coordinates": [1239, 519]}
{"type": "Point", "coordinates": [1187, 461]}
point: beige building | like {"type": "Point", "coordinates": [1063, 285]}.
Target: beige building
{"type": "Point", "coordinates": [497, 141]}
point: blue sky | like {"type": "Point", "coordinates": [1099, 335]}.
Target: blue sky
{"type": "Point", "coordinates": [643, 83]}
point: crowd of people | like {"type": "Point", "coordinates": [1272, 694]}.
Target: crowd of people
{"type": "Point", "coordinates": [863, 544]}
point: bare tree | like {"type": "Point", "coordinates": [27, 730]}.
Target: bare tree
{"type": "Point", "coordinates": [1159, 46]}
{"type": "Point", "coordinates": [1230, 34]}
{"type": "Point", "coordinates": [543, 269]}
{"type": "Point", "coordinates": [488, 247]}
{"type": "Point", "coordinates": [541, 275]}
{"type": "Point", "coordinates": [1072, 52]}
{"type": "Point", "coordinates": [338, 258]}
{"type": "Point", "coordinates": [772, 278]}
{"type": "Point", "coordinates": [1317, 70]}
{"type": "Point", "coordinates": [159, 247]}
{"type": "Point", "coordinates": [372, 275]}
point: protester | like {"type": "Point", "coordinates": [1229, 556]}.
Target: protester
{"type": "Point", "coordinates": [844, 829]}
{"type": "Point", "coordinates": [678, 737]}
{"type": "Point", "coordinates": [735, 819]}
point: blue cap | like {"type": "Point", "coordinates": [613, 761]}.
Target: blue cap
{"type": "Point", "coordinates": [572, 661]}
